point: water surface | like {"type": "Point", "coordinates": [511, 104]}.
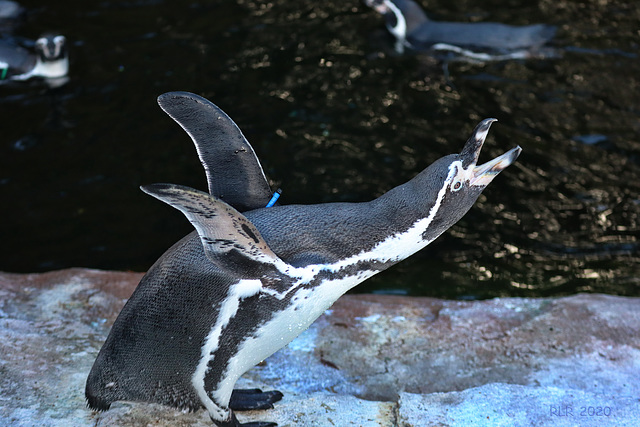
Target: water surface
{"type": "Point", "coordinates": [333, 116]}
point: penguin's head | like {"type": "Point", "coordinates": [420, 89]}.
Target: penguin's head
{"type": "Point", "coordinates": [401, 16]}
{"type": "Point", "coordinates": [51, 48]}
{"type": "Point", "coordinates": [454, 182]}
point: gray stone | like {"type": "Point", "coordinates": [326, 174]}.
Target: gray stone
{"type": "Point", "coordinates": [516, 405]}
{"type": "Point", "coordinates": [369, 361]}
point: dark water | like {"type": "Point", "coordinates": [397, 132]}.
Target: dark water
{"type": "Point", "coordinates": [333, 118]}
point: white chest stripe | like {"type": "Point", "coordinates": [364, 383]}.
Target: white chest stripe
{"type": "Point", "coordinates": [394, 248]}
{"type": "Point", "coordinates": [306, 306]}
{"type": "Point", "coordinates": [228, 309]}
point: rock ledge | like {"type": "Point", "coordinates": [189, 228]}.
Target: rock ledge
{"type": "Point", "coordinates": [369, 361]}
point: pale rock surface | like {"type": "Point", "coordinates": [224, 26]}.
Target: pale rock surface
{"type": "Point", "coordinates": [369, 361]}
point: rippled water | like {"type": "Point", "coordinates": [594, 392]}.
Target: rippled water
{"type": "Point", "coordinates": [334, 116]}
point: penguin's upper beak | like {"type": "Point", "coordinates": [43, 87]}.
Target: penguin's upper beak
{"type": "Point", "coordinates": [482, 175]}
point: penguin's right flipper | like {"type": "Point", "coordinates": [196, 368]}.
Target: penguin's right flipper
{"type": "Point", "coordinates": [254, 398]}
{"type": "Point", "coordinates": [234, 173]}
{"type": "Point", "coordinates": [222, 229]}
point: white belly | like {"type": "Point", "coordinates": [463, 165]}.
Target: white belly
{"type": "Point", "coordinates": [307, 305]}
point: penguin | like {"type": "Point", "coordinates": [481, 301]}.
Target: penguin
{"type": "Point", "coordinates": [50, 60]}
{"type": "Point", "coordinates": [481, 41]}
{"type": "Point", "coordinates": [251, 278]}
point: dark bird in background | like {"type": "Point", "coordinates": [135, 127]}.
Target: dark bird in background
{"type": "Point", "coordinates": [49, 60]}
{"type": "Point", "coordinates": [474, 41]}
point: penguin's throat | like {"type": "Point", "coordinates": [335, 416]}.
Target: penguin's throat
{"type": "Point", "coordinates": [381, 255]}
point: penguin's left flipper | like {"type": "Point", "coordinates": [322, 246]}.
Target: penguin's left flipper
{"type": "Point", "coordinates": [230, 240]}
{"type": "Point", "coordinates": [234, 173]}
{"type": "Point", "coordinates": [253, 398]}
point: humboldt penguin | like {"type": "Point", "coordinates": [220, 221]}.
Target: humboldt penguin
{"type": "Point", "coordinates": [479, 41]}
{"type": "Point", "coordinates": [251, 278]}
{"type": "Point", "coordinates": [50, 60]}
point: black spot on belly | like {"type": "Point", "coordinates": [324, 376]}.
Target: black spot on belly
{"type": "Point", "coordinates": [247, 230]}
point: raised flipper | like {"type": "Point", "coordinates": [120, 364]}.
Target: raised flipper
{"type": "Point", "coordinates": [234, 173]}
{"type": "Point", "coordinates": [222, 229]}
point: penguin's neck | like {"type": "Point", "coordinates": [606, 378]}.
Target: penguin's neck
{"type": "Point", "coordinates": [335, 236]}
{"type": "Point", "coordinates": [407, 213]}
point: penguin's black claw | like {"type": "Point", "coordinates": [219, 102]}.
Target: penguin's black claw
{"type": "Point", "coordinates": [259, 424]}
{"type": "Point", "coordinates": [251, 399]}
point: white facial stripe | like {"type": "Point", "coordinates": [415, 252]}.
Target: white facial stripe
{"type": "Point", "coordinates": [400, 29]}
{"type": "Point", "coordinates": [466, 175]}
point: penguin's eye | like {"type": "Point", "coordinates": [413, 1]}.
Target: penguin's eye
{"type": "Point", "coordinates": [457, 185]}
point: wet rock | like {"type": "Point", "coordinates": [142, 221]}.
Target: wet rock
{"type": "Point", "coordinates": [371, 360]}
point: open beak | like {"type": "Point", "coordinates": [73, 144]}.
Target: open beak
{"type": "Point", "coordinates": [482, 175]}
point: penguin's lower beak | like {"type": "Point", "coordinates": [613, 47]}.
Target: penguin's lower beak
{"type": "Point", "coordinates": [482, 175]}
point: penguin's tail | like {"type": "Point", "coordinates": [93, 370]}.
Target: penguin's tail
{"type": "Point", "coordinates": [97, 399]}
{"type": "Point", "coordinates": [102, 388]}
{"type": "Point", "coordinates": [95, 403]}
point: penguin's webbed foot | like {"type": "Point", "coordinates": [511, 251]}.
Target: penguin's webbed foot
{"type": "Point", "coordinates": [254, 398]}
